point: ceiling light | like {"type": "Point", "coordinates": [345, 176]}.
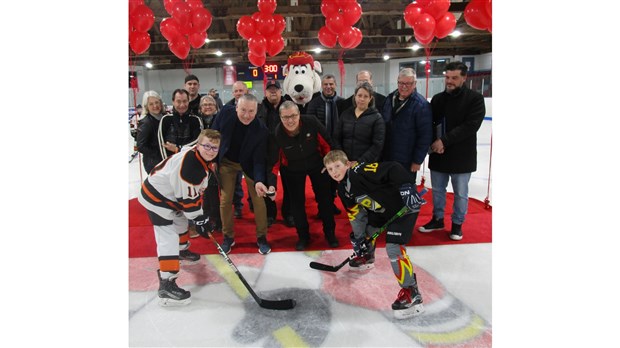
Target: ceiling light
{"type": "Point", "coordinates": [415, 47]}
{"type": "Point", "coordinates": [455, 33]}
{"type": "Point", "coordinates": [318, 50]}
{"type": "Point", "coordinates": [386, 57]}
{"type": "Point", "coordinates": [218, 53]}
{"type": "Point", "coordinates": [207, 40]}
{"type": "Point", "coordinates": [228, 62]}
{"type": "Point", "coordinates": [148, 65]}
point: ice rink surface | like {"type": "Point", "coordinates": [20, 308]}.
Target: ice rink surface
{"type": "Point", "coordinates": [341, 309]}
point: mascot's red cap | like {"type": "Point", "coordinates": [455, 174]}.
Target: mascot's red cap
{"type": "Point", "coordinates": [300, 58]}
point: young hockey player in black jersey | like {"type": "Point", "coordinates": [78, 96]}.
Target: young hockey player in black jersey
{"type": "Point", "coordinates": [172, 194]}
{"type": "Point", "coordinates": [373, 193]}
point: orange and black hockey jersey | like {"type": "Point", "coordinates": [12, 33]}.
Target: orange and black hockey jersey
{"type": "Point", "coordinates": [176, 185]}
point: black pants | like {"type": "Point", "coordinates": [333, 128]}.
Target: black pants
{"type": "Point", "coordinates": [211, 201]}
{"type": "Point", "coordinates": [296, 186]}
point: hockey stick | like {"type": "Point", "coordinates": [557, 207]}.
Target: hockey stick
{"type": "Point", "coordinates": [269, 304]}
{"type": "Point", "coordinates": [329, 268]}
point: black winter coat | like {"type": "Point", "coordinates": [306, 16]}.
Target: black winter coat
{"type": "Point", "coordinates": [459, 115]}
{"type": "Point", "coordinates": [147, 142]}
{"type": "Point", "coordinates": [360, 138]}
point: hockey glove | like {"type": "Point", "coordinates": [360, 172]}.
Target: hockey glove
{"type": "Point", "coordinates": [204, 226]}
{"type": "Point", "coordinates": [411, 198]}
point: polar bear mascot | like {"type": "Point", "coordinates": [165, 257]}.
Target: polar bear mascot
{"type": "Point", "coordinates": [302, 79]}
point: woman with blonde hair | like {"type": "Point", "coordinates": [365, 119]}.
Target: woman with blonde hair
{"type": "Point", "coordinates": [148, 125]}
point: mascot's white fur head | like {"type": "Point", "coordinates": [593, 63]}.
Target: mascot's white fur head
{"type": "Point", "coordinates": [301, 79]}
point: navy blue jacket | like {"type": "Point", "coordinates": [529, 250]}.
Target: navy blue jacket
{"type": "Point", "coordinates": [408, 131]}
{"type": "Point", "coordinates": [253, 155]}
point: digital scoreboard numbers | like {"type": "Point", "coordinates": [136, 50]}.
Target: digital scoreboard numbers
{"type": "Point", "coordinates": [253, 73]}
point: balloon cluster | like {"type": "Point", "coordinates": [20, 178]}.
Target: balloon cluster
{"type": "Point", "coordinates": [430, 19]}
{"type": "Point", "coordinates": [187, 26]}
{"type": "Point", "coordinates": [340, 16]}
{"type": "Point", "coordinates": [141, 20]}
{"type": "Point", "coordinates": [478, 14]}
{"type": "Point", "coordinates": [263, 30]}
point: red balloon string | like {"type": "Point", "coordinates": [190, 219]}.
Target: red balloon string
{"type": "Point", "coordinates": [428, 51]}
{"type": "Point", "coordinates": [341, 69]}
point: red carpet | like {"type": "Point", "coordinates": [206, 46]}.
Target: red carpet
{"type": "Point", "coordinates": [476, 229]}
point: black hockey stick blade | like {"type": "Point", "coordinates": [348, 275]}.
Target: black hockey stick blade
{"type": "Point", "coordinates": [329, 268]}
{"type": "Point", "coordinates": [268, 304]}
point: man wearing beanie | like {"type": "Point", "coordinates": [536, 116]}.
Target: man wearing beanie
{"type": "Point", "coordinates": [192, 85]}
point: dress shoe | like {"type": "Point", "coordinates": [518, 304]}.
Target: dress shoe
{"type": "Point", "coordinates": [302, 244]}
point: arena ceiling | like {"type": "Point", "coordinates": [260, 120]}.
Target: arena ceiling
{"type": "Point", "coordinates": [382, 25]}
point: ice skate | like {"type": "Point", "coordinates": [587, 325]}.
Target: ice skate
{"type": "Point", "coordinates": [408, 303]}
{"type": "Point", "coordinates": [170, 294]}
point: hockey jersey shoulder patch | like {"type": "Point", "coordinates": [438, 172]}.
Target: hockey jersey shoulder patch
{"type": "Point", "coordinates": [194, 169]}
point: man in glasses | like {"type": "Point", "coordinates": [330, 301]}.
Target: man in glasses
{"type": "Point", "coordinates": [172, 195]}
{"type": "Point", "coordinates": [243, 150]}
{"type": "Point", "coordinates": [297, 149]}
{"type": "Point", "coordinates": [408, 124]}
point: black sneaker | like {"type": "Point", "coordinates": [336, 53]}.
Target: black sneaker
{"type": "Point", "coordinates": [289, 221]}
{"type": "Point", "coordinates": [188, 255]}
{"type": "Point", "coordinates": [332, 241]}
{"type": "Point", "coordinates": [302, 244]}
{"type": "Point", "coordinates": [434, 224]}
{"type": "Point", "coordinates": [457, 232]}
{"type": "Point", "coordinates": [227, 244]}
{"type": "Point", "coordinates": [263, 246]}
{"type": "Point", "coordinates": [170, 294]}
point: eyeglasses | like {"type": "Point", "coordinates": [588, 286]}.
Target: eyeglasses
{"type": "Point", "coordinates": [289, 117]}
{"type": "Point", "coordinates": [408, 84]}
{"type": "Point", "coordinates": [208, 104]}
{"type": "Point", "coordinates": [209, 147]}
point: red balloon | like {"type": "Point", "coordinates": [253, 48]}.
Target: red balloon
{"type": "Point", "coordinates": [445, 25]}
{"type": "Point", "coordinates": [424, 26]}
{"type": "Point", "coordinates": [181, 12]}
{"type": "Point", "coordinates": [358, 37]}
{"type": "Point", "coordinates": [201, 19]}
{"type": "Point", "coordinates": [170, 29]}
{"type": "Point", "coordinates": [180, 47]}
{"type": "Point", "coordinates": [412, 12]}
{"type": "Point", "coordinates": [256, 59]}
{"type": "Point", "coordinates": [329, 8]}
{"type": "Point", "coordinates": [142, 18]}
{"type": "Point", "coordinates": [335, 23]}
{"type": "Point", "coordinates": [196, 40]}
{"type": "Point", "coordinates": [169, 4]}
{"type": "Point", "coordinates": [275, 45]}
{"type": "Point", "coordinates": [267, 6]}
{"type": "Point", "coordinates": [344, 3]}
{"type": "Point", "coordinates": [352, 13]}
{"type": "Point", "coordinates": [194, 4]}
{"type": "Point", "coordinates": [423, 41]}
{"type": "Point", "coordinates": [139, 42]}
{"type": "Point", "coordinates": [133, 4]}
{"type": "Point", "coordinates": [423, 3]}
{"type": "Point", "coordinates": [256, 44]}
{"type": "Point", "coordinates": [346, 38]}
{"type": "Point", "coordinates": [488, 6]}
{"type": "Point", "coordinates": [476, 15]}
{"type": "Point", "coordinates": [437, 8]}
{"type": "Point", "coordinates": [245, 27]}
{"type": "Point", "coordinates": [265, 24]}
{"type": "Point", "coordinates": [280, 23]}
{"type": "Point", "coordinates": [327, 38]}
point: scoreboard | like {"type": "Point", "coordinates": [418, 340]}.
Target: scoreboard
{"type": "Point", "coordinates": [273, 71]}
